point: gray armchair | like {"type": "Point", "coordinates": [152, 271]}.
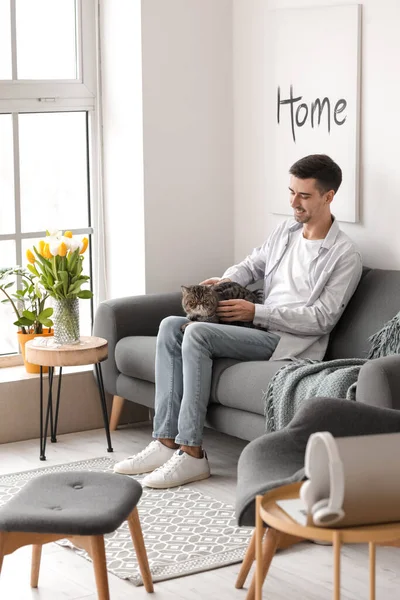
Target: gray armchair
{"type": "Point", "coordinates": [277, 459]}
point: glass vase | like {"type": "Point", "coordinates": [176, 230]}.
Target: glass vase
{"type": "Point", "coordinates": [66, 321]}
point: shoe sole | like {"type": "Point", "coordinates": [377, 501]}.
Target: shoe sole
{"type": "Point", "coordinates": [141, 472]}
{"type": "Point", "coordinates": [165, 485]}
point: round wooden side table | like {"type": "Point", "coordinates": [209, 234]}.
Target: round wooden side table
{"type": "Point", "coordinates": [280, 522]}
{"type": "Point", "coordinates": [46, 353]}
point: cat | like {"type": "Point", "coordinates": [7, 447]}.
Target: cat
{"type": "Point", "coordinates": [200, 302]}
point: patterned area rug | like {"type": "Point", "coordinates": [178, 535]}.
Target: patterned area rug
{"type": "Point", "coordinates": [185, 532]}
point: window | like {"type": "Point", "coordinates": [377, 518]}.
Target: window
{"type": "Point", "coordinates": [48, 131]}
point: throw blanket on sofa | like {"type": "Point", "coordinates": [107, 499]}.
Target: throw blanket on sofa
{"type": "Point", "coordinates": [303, 379]}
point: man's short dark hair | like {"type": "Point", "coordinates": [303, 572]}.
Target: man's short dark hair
{"type": "Point", "coordinates": [322, 168]}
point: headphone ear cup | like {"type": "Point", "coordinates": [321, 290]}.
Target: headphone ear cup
{"type": "Point", "coordinates": [324, 515]}
{"type": "Point", "coordinates": [305, 494]}
{"type": "Point", "coordinates": [321, 504]}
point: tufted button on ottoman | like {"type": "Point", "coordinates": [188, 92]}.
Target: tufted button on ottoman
{"type": "Point", "coordinates": [81, 506]}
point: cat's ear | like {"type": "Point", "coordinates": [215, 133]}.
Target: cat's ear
{"type": "Point", "coordinates": [184, 289]}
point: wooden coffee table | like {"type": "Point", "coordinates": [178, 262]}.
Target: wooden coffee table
{"type": "Point", "coordinates": [46, 353]}
{"type": "Point", "coordinates": [280, 523]}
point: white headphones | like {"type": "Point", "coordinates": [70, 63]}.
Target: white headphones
{"type": "Point", "coordinates": [325, 511]}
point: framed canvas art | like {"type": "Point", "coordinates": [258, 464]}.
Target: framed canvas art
{"type": "Point", "coordinates": [313, 98]}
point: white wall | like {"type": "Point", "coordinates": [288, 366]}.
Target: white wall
{"type": "Point", "coordinates": [188, 140]}
{"type": "Point", "coordinates": [121, 73]}
{"type": "Point", "coordinates": [377, 233]}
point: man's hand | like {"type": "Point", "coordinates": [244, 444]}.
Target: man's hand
{"type": "Point", "coordinates": [236, 310]}
{"type": "Point", "coordinates": [213, 281]}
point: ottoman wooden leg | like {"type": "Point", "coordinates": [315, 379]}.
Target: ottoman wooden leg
{"type": "Point", "coordinates": [247, 562]}
{"type": "Point", "coordinates": [35, 565]}
{"type": "Point", "coordinates": [98, 556]}
{"type": "Point", "coordinates": [116, 410]}
{"type": "Point", "coordinates": [336, 565]}
{"type": "Point", "coordinates": [3, 536]}
{"type": "Point", "coordinates": [140, 549]}
{"type": "Point", "coordinates": [372, 583]}
{"type": "Point", "coordinates": [271, 541]}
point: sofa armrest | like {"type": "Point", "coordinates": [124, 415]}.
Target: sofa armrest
{"type": "Point", "coordinates": [379, 382]}
{"type": "Point", "coordinates": [134, 315]}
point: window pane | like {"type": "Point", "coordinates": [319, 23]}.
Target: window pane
{"type": "Point", "coordinates": [53, 171]}
{"type": "Point", "coordinates": [7, 210]}
{"type": "Point", "coordinates": [46, 39]}
{"type": "Point", "coordinates": [5, 40]}
{"type": "Point", "coordinates": [8, 331]}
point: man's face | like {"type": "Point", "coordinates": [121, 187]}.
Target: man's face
{"type": "Point", "coordinates": [308, 204]}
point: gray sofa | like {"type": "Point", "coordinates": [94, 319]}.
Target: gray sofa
{"type": "Point", "coordinates": [130, 325]}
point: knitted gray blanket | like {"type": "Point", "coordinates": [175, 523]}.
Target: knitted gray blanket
{"type": "Point", "coordinates": [303, 379]}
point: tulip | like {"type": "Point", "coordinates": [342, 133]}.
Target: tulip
{"type": "Point", "coordinates": [68, 234]}
{"type": "Point", "coordinates": [30, 256]}
{"type": "Point", "coordinates": [53, 233]}
{"type": "Point", "coordinates": [62, 249]}
{"type": "Point", "coordinates": [55, 243]}
{"type": "Point", "coordinates": [84, 245]}
{"type": "Point", "coordinates": [72, 244]}
{"type": "Point", "coordinates": [46, 251]}
{"type": "Point", "coordinates": [41, 246]}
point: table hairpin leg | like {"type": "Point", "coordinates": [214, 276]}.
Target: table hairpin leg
{"type": "Point", "coordinates": [49, 412]}
{"type": "Point", "coordinates": [102, 394]}
{"type": "Point", "coordinates": [54, 435]}
{"type": "Point", "coordinates": [50, 402]}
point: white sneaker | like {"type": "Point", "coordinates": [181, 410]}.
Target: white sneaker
{"type": "Point", "coordinates": [180, 469]}
{"type": "Point", "coordinates": [153, 456]}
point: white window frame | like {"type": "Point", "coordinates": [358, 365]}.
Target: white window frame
{"type": "Point", "coordinates": [81, 94]}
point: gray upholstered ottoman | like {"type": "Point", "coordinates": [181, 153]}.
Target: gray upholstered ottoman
{"type": "Point", "coordinates": [81, 506]}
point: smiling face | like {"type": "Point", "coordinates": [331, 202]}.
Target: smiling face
{"type": "Point", "coordinates": [309, 204]}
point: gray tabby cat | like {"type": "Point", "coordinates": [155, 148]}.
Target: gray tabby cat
{"type": "Point", "coordinates": [200, 302]}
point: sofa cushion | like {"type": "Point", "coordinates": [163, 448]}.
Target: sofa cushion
{"type": "Point", "coordinates": [242, 384]}
{"type": "Point", "coordinates": [375, 301]}
{"type": "Point", "coordinates": [234, 384]}
{"type": "Point", "coordinates": [135, 356]}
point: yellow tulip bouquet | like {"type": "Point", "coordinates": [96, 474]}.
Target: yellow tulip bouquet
{"type": "Point", "coordinates": [57, 264]}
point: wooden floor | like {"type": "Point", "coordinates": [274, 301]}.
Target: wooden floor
{"type": "Point", "coordinates": [302, 572]}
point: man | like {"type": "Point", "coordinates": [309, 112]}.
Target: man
{"type": "Point", "coordinates": [310, 270]}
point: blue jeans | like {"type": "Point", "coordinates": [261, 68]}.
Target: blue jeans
{"type": "Point", "coordinates": [184, 370]}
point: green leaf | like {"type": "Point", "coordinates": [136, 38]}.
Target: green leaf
{"type": "Point", "coordinates": [43, 261]}
{"type": "Point", "coordinates": [50, 280]}
{"type": "Point", "coordinates": [72, 260]}
{"type": "Point", "coordinates": [4, 301]}
{"type": "Point", "coordinates": [22, 322]}
{"type": "Point", "coordinates": [29, 315]}
{"type": "Point", "coordinates": [73, 289]}
{"type": "Point", "coordinates": [85, 294]}
{"type": "Point", "coordinates": [46, 313]}
{"type": "Point", "coordinates": [64, 278]}
{"type": "Point", "coordinates": [47, 322]}
{"type": "Point", "coordinates": [38, 292]}
{"type": "Point", "coordinates": [54, 265]}
{"type": "Point", "coordinates": [33, 270]}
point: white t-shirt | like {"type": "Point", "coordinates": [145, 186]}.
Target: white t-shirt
{"type": "Point", "coordinates": [290, 284]}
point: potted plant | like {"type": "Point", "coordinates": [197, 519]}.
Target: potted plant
{"type": "Point", "coordinates": [28, 304]}
{"type": "Point", "coordinates": [57, 264]}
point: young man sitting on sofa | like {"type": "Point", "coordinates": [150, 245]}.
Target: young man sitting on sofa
{"type": "Point", "coordinates": [310, 270]}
